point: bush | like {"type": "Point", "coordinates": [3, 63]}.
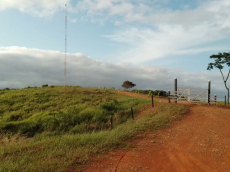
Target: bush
{"type": "Point", "coordinates": [110, 106]}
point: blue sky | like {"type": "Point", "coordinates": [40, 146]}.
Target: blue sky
{"type": "Point", "coordinates": [149, 42]}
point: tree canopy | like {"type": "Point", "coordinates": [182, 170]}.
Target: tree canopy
{"type": "Point", "coordinates": [128, 84]}
{"type": "Point", "coordinates": [220, 61]}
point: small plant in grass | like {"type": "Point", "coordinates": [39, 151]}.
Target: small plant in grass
{"type": "Point", "coordinates": [150, 93]}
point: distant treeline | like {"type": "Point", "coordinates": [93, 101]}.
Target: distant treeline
{"type": "Point", "coordinates": [151, 92]}
{"type": "Point", "coordinates": [161, 93]}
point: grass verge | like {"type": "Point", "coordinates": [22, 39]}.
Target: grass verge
{"type": "Point", "coordinates": [58, 153]}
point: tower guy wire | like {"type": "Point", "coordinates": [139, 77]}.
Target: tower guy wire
{"type": "Point", "coordinates": [65, 72]}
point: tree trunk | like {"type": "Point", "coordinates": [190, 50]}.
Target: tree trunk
{"type": "Point", "coordinates": [228, 95]}
{"type": "Point", "coordinates": [227, 88]}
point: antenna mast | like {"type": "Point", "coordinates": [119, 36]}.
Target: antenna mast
{"type": "Point", "coordinates": [65, 42]}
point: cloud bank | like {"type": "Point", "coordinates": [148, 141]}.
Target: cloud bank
{"type": "Point", "coordinates": [150, 29]}
{"type": "Point", "coordinates": [170, 33]}
{"type": "Point", "coordinates": [21, 67]}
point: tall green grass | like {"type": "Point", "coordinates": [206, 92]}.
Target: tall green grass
{"type": "Point", "coordinates": [56, 110]}
{"type": "Point", "coordinates": [70, 151]}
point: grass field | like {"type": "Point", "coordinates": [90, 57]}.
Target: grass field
{"type": "Point", "coordinates": [222, 103]}
{"type": "Point", "coordinates": [57, 111]}
{"type": "Point", "coordinates": [42, 129]}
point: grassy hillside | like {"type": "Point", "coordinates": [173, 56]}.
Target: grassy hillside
{"type": "Point", "coordinates": [43, 128]}
{"type": "Point", "coordinates": [56, 110]}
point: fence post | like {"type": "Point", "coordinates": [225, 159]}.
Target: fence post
{"type": "Point", "coordinates": [132, 112]}
{"type": "Point", "coordinates": [85, 128]}
{"type": "Point", "coordinates": [152, 101]}
{"type": "Point", "coordinates": [209, 91]}
{"type": "Point", "coordinates": [111, 122]}
{"type": "Point", "coordinates": [169, 96]}
{"type": "Point", "coordinates": [225, 100]}
{"type": "Point", "coordinates": [175, 89]}
{"type": "Point", "coordinates": [215, 98]}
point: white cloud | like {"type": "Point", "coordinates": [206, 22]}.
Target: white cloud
{"type": "Point", "coordinates": [176, 32]}
{"type": "Point", "coordinates": [150, 44]}
{"type": "Point", "coordinates": [145, 11]}
{"type": "Point", "coordinates": [40, 8]}
{"type": "Point", "coordinates": [122, 10]}
{"type": "Point", "coordinates": [155, 12]}
{"type": "Point", "coordinates": [72, 20]}
{"type": "Point", "coordinates": [166, 32]}
{"type": "Point", "coordinates": [94, 9]}
{"type": "Point", "coordinates": [22, 67]}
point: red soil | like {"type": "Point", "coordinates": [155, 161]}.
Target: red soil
{"type": "Point", "coordinates": [199, 142]}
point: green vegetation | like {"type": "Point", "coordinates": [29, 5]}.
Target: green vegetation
{"type": "Point", "coordinates": [159, 93]}
{"type": "Point", "coordinates": [221, 103]}
{"type": "Point", "coordinates": [42, 128]}
{"type": "Point", "coordinates": [52, 110]}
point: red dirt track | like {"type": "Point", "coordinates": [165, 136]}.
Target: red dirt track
{"type": "Point", "coordinates": [199, 142]}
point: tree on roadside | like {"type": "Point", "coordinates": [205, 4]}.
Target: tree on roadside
{"type": "Point", "coordinates": [221, 60]}
{"type": "Point", "coordinates": [128, 84]}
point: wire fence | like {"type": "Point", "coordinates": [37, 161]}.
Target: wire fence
{"type": "Point", "coordinates": [118, 119]}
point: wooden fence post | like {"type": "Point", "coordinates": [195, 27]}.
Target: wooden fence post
{"type": "Point", "coordinates": [225, 100]}
{"type": "Point", "coordinates": [85, 128]}
{"type": "Point", "coordinates": [152, 101]}
{"type": "Point", "coordinates": [209, 91]}
{"type": "Point", "coordinates": [111, 122]}
{"type": "Point", "coordinates": [175, 89]}
{"type": "Point", "coordinates": [215, 98]}
{"type": "Point", "coordinates": [169, 96]}
{"type": "Point", "coordinates": [132, 112]}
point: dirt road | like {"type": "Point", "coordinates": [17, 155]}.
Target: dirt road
{"type": "Point", "coordinates": [199, 142]}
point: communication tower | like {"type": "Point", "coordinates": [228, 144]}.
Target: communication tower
{"type": "Point", "coordinates": [65, 74]}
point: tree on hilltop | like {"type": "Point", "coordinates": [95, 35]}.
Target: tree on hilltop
{"type": "Point", "coordinates": [128, 84]}
{"type": "Point", "coordinates": [221, 60]}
